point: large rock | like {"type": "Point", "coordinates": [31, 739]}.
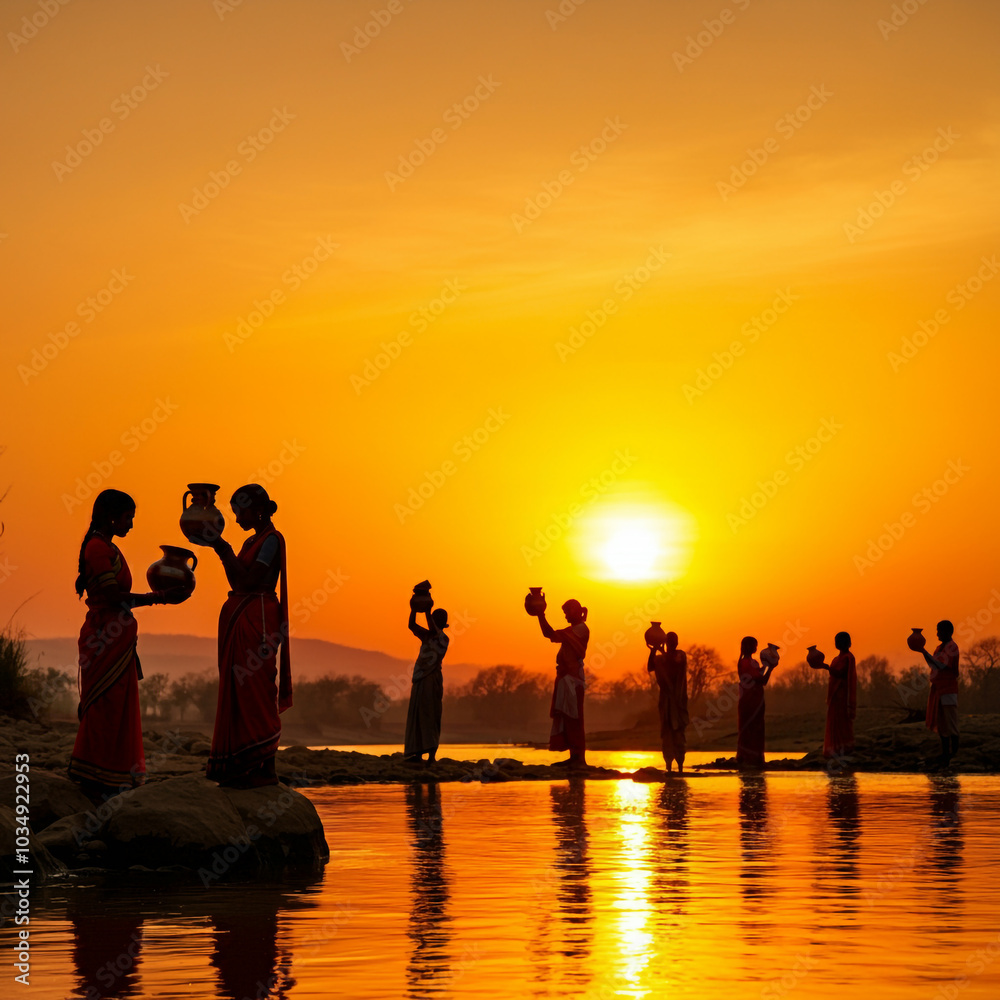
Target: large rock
{"type": "Point", "coordinates": [52, 795]}
{"type": "Point", "coordinates": [191, 822]}
{"type": "Point", "coordinates": [41, 863]}
{"type": "Point", "coordinates": [283, 824]}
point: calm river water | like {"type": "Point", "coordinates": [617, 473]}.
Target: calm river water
{"type": "Point", "coordinates": [723, 886]}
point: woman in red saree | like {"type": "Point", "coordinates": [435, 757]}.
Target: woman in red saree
{"type": "Point", "coordinates": [841, 699]}
{"type": "Point", "coordinates": [108, 756]}
{"type": "Point", "coordinates": [566, 710]}
{"type": "Point", "coordinates": [669, 667]}
{"type": "Point", "coordinates": [750, 708]}
{"type": "Point", "coordinates": [253, 624]}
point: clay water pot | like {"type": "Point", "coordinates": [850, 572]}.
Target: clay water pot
{"type": "Point", "coordinates": [654, 635]}
{"type": "Point", "coordinates": [534, 601]}
{"type": "Point", "coordinates": [916, 640]}
{"type": "Point", "coordinates": [201, 521]}
{"type": "Point", "coordinates": [421, 599]}
{"type": "Point", "coordinates": [172, 570]}
{"type": "Point", "coordinates": [815, 657]}
{"type": "Point", "coordinates": [769, 656]}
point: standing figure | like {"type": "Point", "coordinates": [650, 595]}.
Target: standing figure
{"type": "Point", "coordinates": [841, 699]}
{"type": "Point", "coordinates": [253, 623]}
{"type": "Point", "coordinates": [942, 702]}
{"type": "Point", "coordinates": [423, 718]}
{"type": "Point", "coordinates": [750, 709]}
{"type": "Point", "coordinates": [670, 670]}
{"type": "Point", "coordinates": [566, 711]}
{"type": "Point", "coordinates": [108, 755]}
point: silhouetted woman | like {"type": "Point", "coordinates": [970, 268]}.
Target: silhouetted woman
{"type": "Point", "coordinates": [423, 718]}
{"type": "Point", "coordinates": [750, 709]}
{"type": "Point", "coordinates": [253, 623]}
{"type": "Point", "coordinates": [567, 696]}
{"type": "Point", "coordinates": [841, 699]}
{"type": "Point", "coordinates": [108, 755]}
{"type": "Point", "coordinates": [670, 669]}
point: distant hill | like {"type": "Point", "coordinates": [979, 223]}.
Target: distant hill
{"type": "Point", "coordinates": [176, 655]}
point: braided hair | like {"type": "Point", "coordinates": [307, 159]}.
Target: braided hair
{"type": "Point", "coordinates": [108, 505]}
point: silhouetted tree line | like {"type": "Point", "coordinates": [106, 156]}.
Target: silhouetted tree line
{"type": "Point", "coordinates": [510, 696]}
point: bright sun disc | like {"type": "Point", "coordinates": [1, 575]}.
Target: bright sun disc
{"type": "Point", "coordinates": [634, 542]}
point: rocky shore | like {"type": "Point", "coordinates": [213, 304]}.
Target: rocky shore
{"type": "Point", "coordinates": [188, 823]}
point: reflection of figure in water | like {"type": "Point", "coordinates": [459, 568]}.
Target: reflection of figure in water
{"type": "Point", "coordinates": [423, 719]}
{"type": "Point", "coordinates": [246, 950]}
{"type": "Point", "coordinates": [572, 864]}
{"type": "Point", "coordinates": [753, 830]}
{"type": "Point", "coordinates": [429, 966]}
{"type": "Point", "coordinates": [942, 702]}
{"type": "Point", "coordinates": [670, 669]}
{"type": "Point", "coordinates": [841, 699]}
{"type": "Point", "coordinates": [567, 696]}
{"type": "Point", "coordinates": [750, 708]}
{"type": "Point", "coordinates": [946, 844]}
{"type": "Point", "coordinates": [845, 820]}
{"type": "Point", "coordinates": [108, 756]}
{"type": "Point", "coordinates": [671, 854]}
{"type": "Point", "coordinates": [252, 624]}
{"type": "Point", "coordinates": [106, 946]}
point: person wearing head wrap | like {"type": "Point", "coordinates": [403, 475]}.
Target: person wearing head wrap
{"type": "Point", "coordinates": [108, 755]}
{"type": "Point", "coordinates": [750, 707]}
{"type": "Point", "coordinates": [253, 625]}
{"type": "Point", "coordinates": [566, 710]}
{"type": "Point", "coordinates": [669, 667]}
{"type": "Point", "coordinates": [841, 699]}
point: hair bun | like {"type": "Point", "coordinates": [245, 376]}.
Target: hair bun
{"type": "Point", "coordinates": [272, 507]}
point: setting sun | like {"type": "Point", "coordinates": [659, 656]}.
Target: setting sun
{"type": "Point", "coordinates": [634, 542]}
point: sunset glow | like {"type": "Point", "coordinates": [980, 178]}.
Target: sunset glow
{"type": "Point", "coordinates": [446, 291]}
{"type": "Point", "coordinates": [635, 543]}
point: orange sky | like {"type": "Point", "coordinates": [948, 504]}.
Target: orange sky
{"type": "Point", "coordinates": [511, 174]}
